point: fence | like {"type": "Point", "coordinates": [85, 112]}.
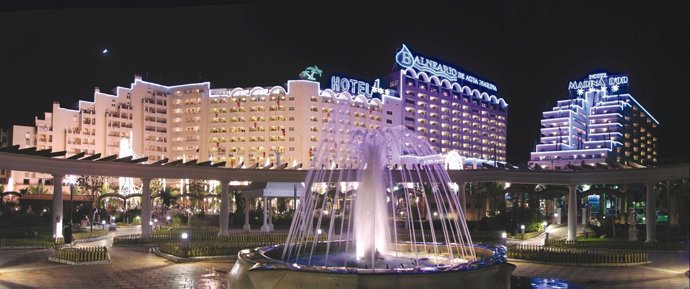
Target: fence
{"type": "Point", "coordinates": [83, 254]}
{"type": "Point", "coordinates": [197, 250]}
{"type": "Point", "coordinates": [620, 245]}
{"type": "Point", "coordinates": [251, 239]}
{"type": "Point", "coordinates": [576, 256]}
{"type": "Point", "coordinates": [29, 242]}
{"type": "Point", "coordinates": [477, 236]}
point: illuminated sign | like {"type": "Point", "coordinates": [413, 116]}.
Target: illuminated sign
{"type": "Point", "coordinates": [355, 86]}
{"type": "Point", "coordinates": [599, 81]}
{"type": "Point", "coordinates": [309, 73]}
{"type": "Point", "coordinates": [406, 59]}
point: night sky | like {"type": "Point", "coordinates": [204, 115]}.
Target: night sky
{"type": "Point", "coordinates": [529, 50]}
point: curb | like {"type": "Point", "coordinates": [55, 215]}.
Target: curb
{"type": "Point", "coordinates": [582, 264]}
{"type": "Point", "coordinates": [190, 259]}
{"type": "Point", "coordinates": [57, 260]}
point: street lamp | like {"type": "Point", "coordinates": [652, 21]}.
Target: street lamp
{"type": "Point", "coordinates": [71, 180]}
{"type": "Point", "coordinates": [184, 240]}
{"type": "Point", "coordinates": [522, 228]}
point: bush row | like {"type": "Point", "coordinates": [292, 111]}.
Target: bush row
{"type": "Point", "coordinates": [577, 256]}
{"type": "Point", "coordinates": [29, 242]}
{"type": "Point", "coordinates": [621, 245]}
{"type": "Point", "coordinates": [255, 239]}
{"type": "Point", "coordinates": [83, 254]}
{"type": "Point", "coordinates": [198, 250]}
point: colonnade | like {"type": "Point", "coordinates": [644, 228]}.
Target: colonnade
{"type": "Point", "coordinates": [146, 207]}
{"type": "Point", "coordinates": [267, 226]}
{"type": "Point", "coordinates": [573, 205]}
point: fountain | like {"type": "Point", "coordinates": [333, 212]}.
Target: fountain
{"type": "Point", "coordinates": [379, 211]}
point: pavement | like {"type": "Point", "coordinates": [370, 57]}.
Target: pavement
{"type": "Point", "coordinates": [666, 271]}
{"type": "Point", "coordinates": [556, 232]}
{"type": "Point", "coordinates": [135, 267]}
{"type": "Point", "coordinates": [131, 267]}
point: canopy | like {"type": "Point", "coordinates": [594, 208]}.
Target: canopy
{"type": "Point", "coordinates": [274, 189]}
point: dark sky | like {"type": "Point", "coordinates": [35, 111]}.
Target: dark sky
{"type": "Point", "coordinates": [530, 50]}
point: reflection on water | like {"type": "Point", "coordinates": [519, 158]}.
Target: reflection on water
{"type": "Point", "coordinates": [550, 283]}
{"type": "Point", "coordinates": [524, 282]}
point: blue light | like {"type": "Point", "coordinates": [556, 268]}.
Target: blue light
{"type": "Point", "coordinates": [548, 283]}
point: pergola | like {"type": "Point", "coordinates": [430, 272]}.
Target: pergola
{"type": "Point", "coordinates": [45, 161]}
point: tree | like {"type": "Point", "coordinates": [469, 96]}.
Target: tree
{"type": "Point", "coordinates": [196, 189]}
{"type": "Point", "coordinates": [92, 187]}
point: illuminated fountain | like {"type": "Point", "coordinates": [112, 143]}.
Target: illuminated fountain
{"type": "Point", "coordinates": [387, 217]}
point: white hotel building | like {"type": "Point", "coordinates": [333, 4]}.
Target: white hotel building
{"type": "Point", "coordinates": [261, 126]}
{"type": "Point", "coordinates": [603, 124]}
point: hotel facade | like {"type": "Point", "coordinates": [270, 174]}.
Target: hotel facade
{"type": "Point", "coordinates": [601, 125]}
{"type": "Point", "coordinates": [457, 113]}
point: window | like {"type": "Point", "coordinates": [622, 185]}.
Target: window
{"type": "Point", "coordinates": [291, 108]}
{"type": "Point", "coordinates": [389, 121]}
{"type": "Point", "coordinates": [389, 112]}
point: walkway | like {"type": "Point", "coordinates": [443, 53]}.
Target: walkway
{"type": "Point", "coordinates": [667, 271]}
{"type": "Point", "coordinates": [134, 267]}
{"type": "Point", "coordinates": [108, 241]}
{"type": "Point", "coordinates": [556, 232]}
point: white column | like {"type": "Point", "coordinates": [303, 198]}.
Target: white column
{"type": "Point", "coordinates": [572, 213]}
{"type": "Point", "coordinates": [264, 227]}
{"type": "Point", "coordinates": [270, 217]}
{"type": "Point", "coordinates": [463, 199]}
{"type": "Point", "coordinates": [146, 228]}
{"type": "Point", "coordinates": [650, 213]}
{"type": "Point", "coordinates": [57, 206]}
{"type": "Point", "coordinates": [584, 216]}
{"type": "Point", "coordinates": [247, 206]}
{"type": "Point", "coordinates": [224, 208]}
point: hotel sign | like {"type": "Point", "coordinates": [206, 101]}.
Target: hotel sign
{"type": "Point", "coordinates": [357, 87]}
{"type": "Point", "coordinates": [406, 59]}
{"type": "Point", "coordinates": [599, 81]}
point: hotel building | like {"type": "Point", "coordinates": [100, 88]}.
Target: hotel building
{"type": "Point", "coordinates": [602, 124]}
{"type": "Point", "coordinates": [263, 126]}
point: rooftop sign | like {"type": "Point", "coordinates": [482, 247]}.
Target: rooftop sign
{"type": "Point", "coordinates": [599, 81]}
{"type": "Point", "coordinates": [357, 87]}
{"type": "Point", "coordinates": [406, 59]}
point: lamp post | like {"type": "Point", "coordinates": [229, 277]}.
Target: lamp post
{"type": "Point", "coordinates": [71, 180]}
{"type": "Point", "coordinates": [522, 229]}
{"type": "Point", "coordinates": [546, 236]}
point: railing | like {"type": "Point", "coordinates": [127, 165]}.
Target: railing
{"type": "Point", "coordinates": [83, 254]}
{"type": "Point", "coordinates": [576, 256]}
{"type": "Point", "coordinates": [620, 245]}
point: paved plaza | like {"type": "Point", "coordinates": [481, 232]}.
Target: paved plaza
{"type": "Point", "coordinates": [135, 267]}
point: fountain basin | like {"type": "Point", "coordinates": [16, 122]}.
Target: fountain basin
{"type": "Point", "coordinates": [261, 268]}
